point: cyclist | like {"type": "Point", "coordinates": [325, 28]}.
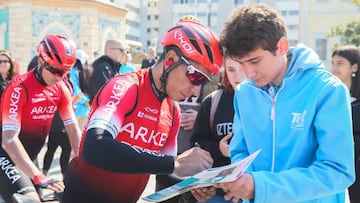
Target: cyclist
{"type": "Point", "coordinates": [28, 105]}
{"type": "Point", "coordinates": [133, 122]}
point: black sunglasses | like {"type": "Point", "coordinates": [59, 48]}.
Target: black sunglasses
{"type": "Point", "coordinates": [55, 71]}
{"type": "Point", "coordinates": [4, 61]}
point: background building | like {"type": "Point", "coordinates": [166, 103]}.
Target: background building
{"type": "Point", "coordinates": [89, 23]}
{"type": "Point", "coordinates": [142, 23]}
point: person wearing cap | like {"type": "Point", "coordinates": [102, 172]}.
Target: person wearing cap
{"type": "Point", "coordinates": [134, 120]}
{"type": "Point", "coordinates": [27, 108]}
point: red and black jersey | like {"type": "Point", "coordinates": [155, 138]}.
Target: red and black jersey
{"type": "Point", "coordinates": [128, 111]}
{"type": "Point", "coordinates": [29, 107]}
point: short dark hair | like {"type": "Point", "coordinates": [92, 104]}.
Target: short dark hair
{"type": "Point", "coordinates": [252, 27]}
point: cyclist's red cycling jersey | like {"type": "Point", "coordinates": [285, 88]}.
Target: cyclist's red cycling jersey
{"type": "Point", "coordinates": [128, 109]}
{"type": "Point", "coordinates": [29, 107]}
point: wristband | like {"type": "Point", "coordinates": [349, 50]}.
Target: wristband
{"type": "Point", "coordinates": [43, 181]}
{"type": "Point", "coordinates": [38, 179]}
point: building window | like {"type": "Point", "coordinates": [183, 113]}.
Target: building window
{"type": "Point", "coordinates": [321, 47]}
{"type": "Point", "coordinates": [293, 13]}
{"type": "Point", "coordinates": [238, 2]}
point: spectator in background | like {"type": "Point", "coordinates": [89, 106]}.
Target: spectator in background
{"type": "Point", "coordinates": [106, 66]}
{"type": "Point", "coordinates": [126, 65]}
{"type": "Point", "coordinates": [213, 126]}
{"type": "Point", "coordinates": [150, 59]}
{"type": "Point", "coordinates": [97, 54]}
{"type": "Point", "coordinates": [79, 77]}
{"type": "Point", "coordinates": [7, 69]}
{"type": "Point", "coordinates": [345, 65]}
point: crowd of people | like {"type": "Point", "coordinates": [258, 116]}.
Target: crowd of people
{"type": "Point", "coordinates": [116, 124]}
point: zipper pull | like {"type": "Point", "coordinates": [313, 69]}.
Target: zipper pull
{"type": "Point", "coordinates": [272, 93]}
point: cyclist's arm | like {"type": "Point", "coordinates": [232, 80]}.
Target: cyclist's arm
{"type": "Point", "coordinates": [68, 116]}
{"type": "Point", "coordinates": [15, 97]}
{"type": "Point", "coordinates": [102, 151]}
{"type": "Point", "coordinates": [100, 148]}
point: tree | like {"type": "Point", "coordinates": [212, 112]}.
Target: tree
{"type": "Point", "coordinates": [350, 33]}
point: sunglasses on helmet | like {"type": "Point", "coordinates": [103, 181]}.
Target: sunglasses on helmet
{"type": "Point", "coordinates": [196, 76]}
{"type": "Point", "coordinates": [55, 71]}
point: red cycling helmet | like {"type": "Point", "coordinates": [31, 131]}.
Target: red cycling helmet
{"type": "Point", "coordinates": [196, 42]}
{"type": "Point", "coordinates": [57, 51]}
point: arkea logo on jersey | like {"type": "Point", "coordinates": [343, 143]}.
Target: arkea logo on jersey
{"type": "Point", "coordinates": [144, 134]}
{"type": "Point", "coordinates": [117, 92]}
{"type": "Point", "coordinates": [14, 102]}
{"type": "Point", "coordinates": [43, 109]}
{"type": "Point", "coordinates": [298, 120]}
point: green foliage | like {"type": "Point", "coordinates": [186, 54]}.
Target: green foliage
{"type": "Point", "coordinates": [357, 3]}
{"type": "Point", "coordinates": [350, 33]}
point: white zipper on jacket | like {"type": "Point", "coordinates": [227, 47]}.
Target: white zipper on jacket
{"type": "Point", "coordinates": [273, 93]}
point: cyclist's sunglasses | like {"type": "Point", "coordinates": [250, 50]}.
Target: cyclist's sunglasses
{"type": "Point", "coordinates": [55, 71]}
{"type": "Point", "coordinates": [196, 76]}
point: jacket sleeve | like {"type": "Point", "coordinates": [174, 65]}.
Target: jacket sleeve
{"type": "Point", "coordinates": [101, 151]}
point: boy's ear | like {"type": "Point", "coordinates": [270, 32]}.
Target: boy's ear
{"type": "Point", "coordinates": [283, 45]}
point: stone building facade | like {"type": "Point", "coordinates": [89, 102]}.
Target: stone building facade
{"type": "Point", "coordinates": [23, 23]}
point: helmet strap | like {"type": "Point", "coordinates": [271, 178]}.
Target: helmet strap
{"type": "Point", "coordinates": [171, 65]}
{"type": "Point", "coordinates": [166, 71]}
{"type": "Point", "coordinates": [38, 74]}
